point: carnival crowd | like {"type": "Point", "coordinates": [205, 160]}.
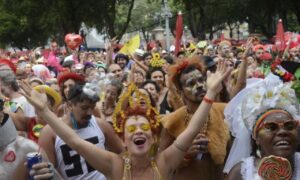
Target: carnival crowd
{"type": "Point", "coordinates": [205, 111]}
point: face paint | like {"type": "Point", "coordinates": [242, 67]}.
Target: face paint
{"type": "Point", "coordinates": [194, 82]}
{"type": "Point", "coordinates": [133, 128]}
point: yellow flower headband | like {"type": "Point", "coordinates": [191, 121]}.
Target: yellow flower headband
{"type": "Point", "coordinates": [122, 111]}
{"type": "Point", "coordinates": [156, 61]}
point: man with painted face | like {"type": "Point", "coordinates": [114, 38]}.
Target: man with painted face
{"type": "Point", "coordinates": [81, 103]}
{"type": "Point", "coordinates": [205, 158]}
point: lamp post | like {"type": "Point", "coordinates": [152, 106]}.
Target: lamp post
{"type": "Point", "coordinates": [167, 14]}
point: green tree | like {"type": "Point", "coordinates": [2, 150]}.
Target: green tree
{"type": "Point", "coordinates": [29, 23]}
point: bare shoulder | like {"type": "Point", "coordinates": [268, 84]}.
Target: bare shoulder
{"type": "Point", "coordinates": [235, 172]}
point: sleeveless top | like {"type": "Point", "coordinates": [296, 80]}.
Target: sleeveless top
{"type": "Point", "coordinates": [164, 105]}
{"type": "Point", "coordinates": [249, 171]}
{"type": "Point", "coordinates": [70, 164]}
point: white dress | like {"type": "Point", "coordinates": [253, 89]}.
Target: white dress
{"type": "Point", "coordinates": [249, 171]}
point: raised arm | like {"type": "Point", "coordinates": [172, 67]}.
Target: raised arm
{"type": "Point", "coordinates": [110, 50]}
{"type": "Point", "coordinates": [184, 140]}
{"type": "Point", "coordinates": [140, 64]}
{"type": "Point", "coordinates": [242, 72]}
{"type": "Point", "coordinates": [94, 155]}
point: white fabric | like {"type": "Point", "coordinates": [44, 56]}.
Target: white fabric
{"type": "Point", "coordinates": [28, 109]}
{"type": "Point", "coordinates": [241, 147]}
{"type": "Point", "coordinates": [241, 112]}
{"type": "Point", "coordinates": [249, 171]}
{"type": "Point", "coordinates": [20, 147]}
{"type": "Point", "coordinates": [66, 157]}
{"type": "Point", "coordinates": [8, 132]}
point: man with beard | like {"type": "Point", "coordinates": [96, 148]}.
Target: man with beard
{"type": "Point", "coordinates": [81, 103]}
{"type": "Point", "coordinates": [205, 158]}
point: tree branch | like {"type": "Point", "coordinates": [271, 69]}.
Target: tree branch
{"type": "Point", "coordinates": [128, 19]}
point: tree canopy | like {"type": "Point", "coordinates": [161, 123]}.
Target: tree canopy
{"type": "Point", "coordinates": [30, 23]}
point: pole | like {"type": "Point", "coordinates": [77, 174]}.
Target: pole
{"type": "Point", "coordinates": [167, 15]}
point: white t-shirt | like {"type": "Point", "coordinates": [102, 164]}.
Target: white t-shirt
{"type": "Point", "coordinates": [26, 106]}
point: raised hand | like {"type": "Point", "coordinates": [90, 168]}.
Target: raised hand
{"type": "Point", "coordinates": [112, 43]}
{"type": "Point", "coordinates": [214, 80]}
{"type": "Point", "coordinates": [249, 46]}
{"type": "Point", "coordinates": [37, 99]}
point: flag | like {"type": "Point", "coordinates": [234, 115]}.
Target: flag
{"type": "Point", "coordinates": [179, 32]}
{"type": "Point", "coordinates": [130, 46]}
{"type": "Point", "coordinates": [279, 42]}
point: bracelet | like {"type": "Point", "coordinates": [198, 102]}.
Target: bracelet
{"type": "Point", "coordinates": [207, 100]}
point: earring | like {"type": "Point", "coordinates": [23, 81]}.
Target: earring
{"type": "Point", "coordinates": [258, 154]}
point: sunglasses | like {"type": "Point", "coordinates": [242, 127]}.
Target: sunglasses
{"type": "Point", "coordinates": [133, 128]}
{"type": "Point", "coordinates": [275, 126]}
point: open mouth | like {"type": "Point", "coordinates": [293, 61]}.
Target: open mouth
{"type": "Point", "coordinates": [142, 102]}
{"type": "Point", "coordinates": [282, 143]}
{"type": "Point", "coordinates": [139, 141]}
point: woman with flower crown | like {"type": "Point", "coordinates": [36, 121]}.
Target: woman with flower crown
{"type": "Point", "coordinates": [138, 127]}
{"type": "Point", "coordinates": [264, 118]}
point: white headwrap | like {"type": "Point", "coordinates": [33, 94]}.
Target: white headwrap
{"type": "Point", "coordinates": [243, 110]}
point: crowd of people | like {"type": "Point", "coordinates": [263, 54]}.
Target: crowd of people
{"type": "Point", "coordinates": [208, 111]}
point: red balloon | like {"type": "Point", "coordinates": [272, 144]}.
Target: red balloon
{"type": "Point", "coordinates": [73, 41]}
{"type": "Point", "coordinates": [299, 38]}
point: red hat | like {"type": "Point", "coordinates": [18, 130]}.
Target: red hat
{"type": "Point", "coordinates": [69, 75]}
{"type": "Point", "coordinates": [9, 63]}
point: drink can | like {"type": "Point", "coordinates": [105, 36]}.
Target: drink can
{"type": "Point", "coordinates": [33, 158]}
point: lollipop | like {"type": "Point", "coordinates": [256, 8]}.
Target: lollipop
{"type": "Point", "coordinates": [275, 168]}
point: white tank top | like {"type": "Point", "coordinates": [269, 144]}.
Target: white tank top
{"type": "Point", "coordinates": [70, 164]}
{"type": "Point", "coordinates": [249, 171]}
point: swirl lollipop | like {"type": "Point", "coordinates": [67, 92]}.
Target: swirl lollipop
{"type": "Point", "coordinates": [275, 168]}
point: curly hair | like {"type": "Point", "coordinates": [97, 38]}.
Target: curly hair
{"type": "Point", "coordinates": [183, 67]}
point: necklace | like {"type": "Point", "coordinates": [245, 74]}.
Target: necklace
{"type": "Point", "coordinates": [188, 116]}
{"type": "Point", "coordinates": [127, 169]}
